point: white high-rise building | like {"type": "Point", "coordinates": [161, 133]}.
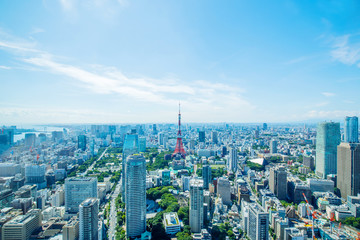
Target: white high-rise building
{"type": "Point", "coordinates": [223, 190]}
{"type": "Point", "coordinates": [135, 195]}
{"type": "Point", "coordinates": [258, 223]}
{"type": "Point", "coordinates": [196, 205]}
{"type": "Point", "coordinates": [88, 216]}
{"type": "Point", "coordinates": [77, 190]}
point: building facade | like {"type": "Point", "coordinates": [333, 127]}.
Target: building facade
{"type": "Point", "coordinates": [258, 223]}
{"type": "Point", "coordinates": [348, 169]}
{"type": "Point", "coordinates": [206, 175]}
{"type": "Point", "coordinates": [135, 195]}
{"type": "Point", "coordinates": [327, 140]}
{"type": "Point", "coordinates": [88, 216]}
{"type": "Point", "coordinates": [21, 227]}
{"type": "Point", "coordinates": [278, 182]}
{"type": "Point", "coordinates": [196, 205]}
{"type": "Point", "coordinates": [223, 190]}
{"type": "Point", "coordinates": [131, 146]}
{"type": "Point", "coordinates": [77, 190]}
{"type": "Point", "coordinates": [273, 146]}
{"type": "Point", "coordinates": [233, 160]}
{"type": "Point", "coordinates": [351, 130]}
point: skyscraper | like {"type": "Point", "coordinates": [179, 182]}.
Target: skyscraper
{"type": "Point", "coordinates": [30, 139]}
{"type": "Point", "coordinates": [206, 175]}
{"type": "Point", "coordinates": [273, 146]}
{"type": "Point", "coordinates": [223, 190]}
{"type": "Point", "coordinates": [214, 137]}
{"type": "Point", "coordinates": [77, 190]}
{"type": "Point", "coordinates": [196, 214]}
{"type": "Point", "coordinates": [131, 146]}
{"type": "Point", "coordinates": [278, 182]}
{"type": "Point", "coordinates": [327, 139]}
{"type": "Point", "coordinates": [135, 195]}
{"type": "Point", "coordinates": [258, 225]}
{"type": "Point", "coordinates": [202, 136]}
{"type": "Point", "coordinates": [142, 144]}
{"type": "Point", "coordinates": [88, 216]}
{"type": "Point", "coordinates": [82, 142]}
{"type": "Point", "coordinates": [351, 130]}
{"type": "Point", "coordinates": [348, 169]}
{"type": "Point", "coordinates": [233, 160]}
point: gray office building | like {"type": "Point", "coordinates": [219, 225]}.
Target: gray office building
{"type": "Point", "coordinates": [278, 182]}
{"type": "Point", "coordinates": [273, 146]}
{"type": "Point", "coordinates": [258, 223]}
{"type": "Point", "coordinates": [327, 140]}
{"type": "Point", "coordinates": [77, 190]}
{"type": "Point", "coordinates": [88, 216]}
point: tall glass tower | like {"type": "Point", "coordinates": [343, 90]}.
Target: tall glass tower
{"type": "Point", "coordinates": [351, 130]}
{"type": "Point", "coordinates": [131, 146]}
{"type": "Point", "coordinates": [327, 140]}
{"type": "Point", "coordinates": [135, 195]}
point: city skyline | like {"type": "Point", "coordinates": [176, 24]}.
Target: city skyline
{"type": "Point", "coordinates": [64, 62]}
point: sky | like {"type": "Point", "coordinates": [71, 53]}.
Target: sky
{"type": "Point", "coordinates": [121, 61]}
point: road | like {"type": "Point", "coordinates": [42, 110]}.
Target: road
{"type": "Point", "coordinates": [93, 164]}
{"type": "Point", "coordinates": [112, 214]}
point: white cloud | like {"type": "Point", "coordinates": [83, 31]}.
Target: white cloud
{"type": "Point", "coordinates": [67, 5]}
{"type": "Point", "coordinates": [220, 101]}
{"type": "Point", "coordinates": [36, 30]}
{"type": "Point", "coordinates": [328, 94]}
{"type": "Point", "coordinates": [346, 51]}
{"type": "Point", "coordinates": [5, 67]}
{"type": "Point", "coordinates": [335, 114]}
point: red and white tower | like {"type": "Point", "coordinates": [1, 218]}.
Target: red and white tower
{"type": "Point", "coordinates": [179, 149]}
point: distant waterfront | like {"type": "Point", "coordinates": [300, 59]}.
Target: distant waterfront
{"type": "Point", "coordinates": [38, 129]}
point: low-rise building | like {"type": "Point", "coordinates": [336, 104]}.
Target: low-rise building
{"type": "Point", "coordinates": [171, 223]}
{"type": "Point", "coordinates": [21, 227]}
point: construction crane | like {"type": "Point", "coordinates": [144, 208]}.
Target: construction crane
{"type": "Point", "coordinates": [310, 214]}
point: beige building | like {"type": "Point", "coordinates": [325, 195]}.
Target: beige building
{"type": "Point", "coordinates": [21, 227]}
{"type": "Point", "coordinates": [348, 169]}
{"type": "Point", "coordinates": [71, 229]}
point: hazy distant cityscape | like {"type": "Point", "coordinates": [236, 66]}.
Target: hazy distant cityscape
{"type": "Point", "coordinates": [181, 181]}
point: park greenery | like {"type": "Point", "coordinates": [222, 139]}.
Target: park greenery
{"type": "Point", "coordinates": [109, 158]}
{"type": "Point", "coordinates": [168, 203]}
{"type": "Point", "coordinates": [120, 218]}
{"type": "Point", "coordinates": [157, 160]}
{"type": "Point", "coordinates": [221, 231]}
{"type": "Point", "coordinates": [255, 166]}
{"type": "Point", "coordinates": [352, 221]}
{"type": "Point", "coordinates": [215, 172]}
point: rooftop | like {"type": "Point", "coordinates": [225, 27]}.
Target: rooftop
{"type": "Point", "coordinates": [171, 219]}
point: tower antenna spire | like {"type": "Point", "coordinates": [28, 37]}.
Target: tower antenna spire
{"type": "Point", "coordinates": [179, 144]}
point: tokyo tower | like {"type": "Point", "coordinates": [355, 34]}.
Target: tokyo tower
{"type": "Point", "coordinates": [179, 144]}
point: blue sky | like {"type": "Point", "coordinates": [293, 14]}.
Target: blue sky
{"type": "Point", "coordinates": [117, 61]}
